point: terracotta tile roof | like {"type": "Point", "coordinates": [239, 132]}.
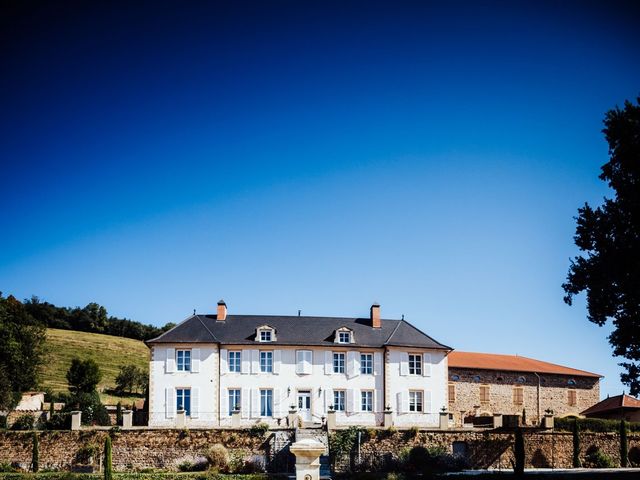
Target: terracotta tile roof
{"type": "Point", "coordinates": [613, 403]}
{"type": "Point", "coordinates": [512, 363]}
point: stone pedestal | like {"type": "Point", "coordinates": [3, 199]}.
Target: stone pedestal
{"type": "Point", "coordinates": [235, 419]}
{"type": "Point", "coordinates": [292, 419]}
{"type": "Point", "coordinates": [127, 419]}
{"type": "Point", "coordinates": [307, 454]}
{"type": "Point", "coordinates": [497, 420]}
{"type": "Point", "coordinates": [331, 420]}
{"type": "Point", "coordinates": [181, 419]}
{"type": "Point", "coordinates": [444, 420]}
{"type": "Point", "coordinates": [547, 421]}
{"type": "Point", "coordinates": [76, 420]}
{"type": "Point", "coordinates": [388, 419]}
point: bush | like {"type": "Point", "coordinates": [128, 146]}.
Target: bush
{"type": "Point", "coordinates": [86, 454]}
{"type": "Point", "coordinates": [593, 425]}
{"type": "Point", "coordinates": [258, 430]}
{"type": "Point", "coordinates": [412, 433]}
{"type": "Point", "coordinates": [218, 458]}
{"type": "Point", "coordinates": [24, 422]}
{"type": "Point", "coordinates": [3, 422]}
{"type": "Point", "coordinates": [93, 411]}
{"type": "Point", "coordinates": [188, 466]}
{"type": "Point", "coordinates": [58, 421]}
{"type": "Point", "coordinates": [597, 459]}
{"type": "Point", "coordinates": [6, 467]}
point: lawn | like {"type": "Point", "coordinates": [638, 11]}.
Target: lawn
{"type": "Point", "coordinates": [108, 351]}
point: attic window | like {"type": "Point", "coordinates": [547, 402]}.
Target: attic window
{"type": "Point", "coordinates": [265, 334]}
{"type": "Point", "coordinates": [571, 381]}
{"type": "Point", "coordinates": [521, 380]}
{"type": "Point", "coordinates": [344, 337]}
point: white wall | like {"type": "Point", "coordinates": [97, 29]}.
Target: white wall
{"type": "Point", "coordinates": [203, 384]}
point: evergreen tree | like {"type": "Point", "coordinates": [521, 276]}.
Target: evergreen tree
{"type": "Point", "coordinates": [119, 413]}
{"type": "Point", "coordinates": [518, 452]}
{"type": "Point", "coordinates": [35, 454]}
{"type": "Point", "coordinates": [576, 445]}
{"type": "Point", "coordinates": [108, 468]}
{"type": "Point", "coordinates": [624, 446]}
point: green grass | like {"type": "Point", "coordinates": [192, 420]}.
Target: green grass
{"type": "Point", "coordinates": [108, 351]}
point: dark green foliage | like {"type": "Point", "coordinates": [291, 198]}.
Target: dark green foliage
{"type": "Point", "coordinates": [59, 421]}
{"type": "Point", "coordinates": [524, 416]}
{"type": "Point", "coordinates": [343, 441]}
{"type": "Point", "coordinates": [518, 453]}
{"type": "Point", "coordinates": [596, 458]}
{"type": "Point", "coordinates": [23, 422]}
{"type": "Point", "coordinates": [576, 444]}
{"type": "Point", "coordinates": [52, 407]}
{"type": "Point", "coordinates": [92, 318]}
{"type": "Point", "coordinates": [86, 454]}
{"type": "Point", "coordinates": [108, 466]}
{"type": "Point", "coordinates": [35, 454]}
{"type": "Point", "coordinates": [131, 379]}
{"type": "Point", "coordinates": [258, 430]}
{"type": "Point", "coordinates": [83, 376]}
{"type": "Point", "coordinates": [93, 411]}
{"type": "Point", "coordinates": [608, 270]}
{"type": "Point", "coordinates": [22, 340]}
{"type": "Point", "coordinates": [624, 445]}
{"type": "Point", "coordinates": [593, 425]}
{"type": "Point", "coordinates": [119, 414]}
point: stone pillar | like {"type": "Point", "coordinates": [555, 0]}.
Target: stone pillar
{"type": "Point", "coordinates": [388, 418]}
{"type": "Point", "coordinates": [76, 420]}
{"type": "Point", "coordinates": [331, 420]}
{"type": "Point", "coordinates": [307, 454]}
{"type": "Point", "coordinates": [181, 419]}
{"type": "Point", "coordinates": [127, 419]}
{"type": "Point", "coordinates": [547, 421]}
{"type": "Point", "coordinates": [497, 420]}
{"type": "Point", "coordinates": [235, 419]}
{"type": "Point", "coordinates": [444, 420]}
{"type": "Point", "coordinates": [292, 418]}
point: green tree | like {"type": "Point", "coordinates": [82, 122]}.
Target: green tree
{"type": "Point", "coordinates": [83, 376]}
{"type": "Point", "coordinates": [518, 453]}
{"type": "Point", "coordinates": [22, 350]}
{"type": "Point", "coordinates": [608, 269]}
{"type": "Point", "coordinates": [576, 444]}
{"type": "Point", "coordinates": [119, 413]}
{"type": "Point", "coordinates": [624, 445]}
{"type": "Point", "coordinates": [127, 378]}
{"type": "Point", "coordinates": [108, 467]}
{"type": "Point", "coordinates": [35, 454]}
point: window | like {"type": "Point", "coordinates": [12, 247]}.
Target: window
{"type": "Point", "coordinates": [266, 362]}
{"type": "Point", "coordinates": [476, 378]}
{"type": "Point", "coordinates": [452, 393]}
{"type": "Point", "coordinates": [235, 359]}
{"type": "Point", "coordinates": [415, 401]}
{"type": "Point", "coordinates": [304, 361]}
{"type": "Point", "coordinates": [338, 400]}
{"type": "Point", "coordinates": [571, 382]}
{"type": "Point", "coordinates": [266, 403]}
{"type": "Point", "coordinates": [265, 335]}
{"type": "Point", "coordinates": [415, 364]}
{"type": "Point", "coordinates": [521, 380]}
{"type": "Point", "coordinates": [572, 398]}
{"type": "Point", "coordinates": [183, 360]}
{"type": "Point", "coordinates": [518, 396]}
{"type": "Point", "coordinates": [234, 400]}
{"type": "Point", "coordinates": [367, 401]}
{"type": "Point", "coordinates": [455, 378]}
{"type": "Point", "coordinates": [484, 393]}
{"type": "Point", "coordinates": [366, 364]}
{"type": "Point", "coordinates": [338, 363]}
{"type": "Point", "coordinates": [344, 337]}
{"type": "Point", "coordinates": [183, 400]}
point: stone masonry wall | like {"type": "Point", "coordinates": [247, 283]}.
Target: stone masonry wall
{"type": "Point", "coordinates": [132, 449]}
{"type": "Point", "coordinates": [553, 393]}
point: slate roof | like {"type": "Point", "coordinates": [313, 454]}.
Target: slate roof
{"type": "Point", "coordinates": [615, 403]}
{"type": "Point", "coordinates": [513, 363]}
{"type": "Point", "coordinates": [294, 330]}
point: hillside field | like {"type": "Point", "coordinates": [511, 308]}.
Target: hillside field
{"type": "Point", "coordinates": [109, 352]}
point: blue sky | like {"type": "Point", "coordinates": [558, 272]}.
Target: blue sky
{"type": "Point", "coordinates": [313, 156]}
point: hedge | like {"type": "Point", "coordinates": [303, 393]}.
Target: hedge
{"type": "Point", "coordinates": [133, 476]}
{"type": "Point", "coordinates": [593, 425]}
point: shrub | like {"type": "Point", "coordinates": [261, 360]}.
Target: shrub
{"type": "Point", "coordinates": [108, 467]}
{"type": "Point", "coordinates": [624, 446]}
{"type": "Point", "coordinates": [188, 466]}
{"type": "Point", "coordinates": [35, 454]}
{"type": "Point", "coordinates": [218, 457]}
{"type": "Point", "coordinates": [23, 422]}
{"type": "Point", "coordinates": [86, 454]}
{"type": "Point", "coordinates": [597, 459]}
{"type": "Point", "coordinates": [58, 421]}
{"type": "Point", "coordinates": [258, 430]}
{"type": "Point", "coordinates": [6, 467]}
{"type": "Point", "coordinates": [593, 425]}
{"type": "Point", "coordinates": [119, 413]}
{"type": "Point", "coordinates": [3, 422]}
{"type": "Point", "coordinates": [412, 433]}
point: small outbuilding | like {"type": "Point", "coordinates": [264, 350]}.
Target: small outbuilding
{"type": "Point", "coordinates": [615, 408]}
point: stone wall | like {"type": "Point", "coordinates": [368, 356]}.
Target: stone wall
{"type": "Point", "coordinates": [133, 450]}
{"type": "Point", "coordinates": [554, 393]}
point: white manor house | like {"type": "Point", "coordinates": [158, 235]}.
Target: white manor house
{"type": "Point", "coordinates": [211, 369]}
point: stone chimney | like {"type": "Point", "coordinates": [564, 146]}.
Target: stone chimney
{"type": "Point", "coordinates": [375, 316]}
{"type": "Point", "coordinates": [222, 311]}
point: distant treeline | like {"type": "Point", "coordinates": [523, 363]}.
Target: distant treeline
{"type": "Point", "coordinates": [92, 318]}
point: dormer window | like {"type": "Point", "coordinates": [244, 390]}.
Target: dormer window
{"type": "Point", "coordinates": [344, 337]}
{"type": "Point", "coordinates": [265, 334]}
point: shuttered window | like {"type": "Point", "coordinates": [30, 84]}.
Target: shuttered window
{"type": "Point", "coordinates": [572, 398]}
{"type": "Point", "coordinates": [518, 396]}
{"type": "Point", "coordinates": [484, 393]}
{"type": "Point", "coordinates": [452, 393]}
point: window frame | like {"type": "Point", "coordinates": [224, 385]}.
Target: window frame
{"type": "Point", "coordinates": [415, 364]}
{"type": "Point", "coordinates": [266, 402]}
{"type": "Point", "coordinates": [416, 401]}
{"type": "Point", "coordinates": [572, 397]}
{"type": "Point", "coordinates": [344, 337]}
{"type": "Point", "coordinates": [366, 366]}
{"type": "Point", "coordinates": [183, 360]}
{"type": "Point", "coordinates": [265, 359]}
{"type": "Point", "coordinates": [451, 392]}
{"type": "Point", "coordinates": [233, 368]}
{"type": "Point", "coordinates": [366, 401]}
{"type": "Point", "coordinates": [300, 362]}
{"type": "Point", "coordinates": [264, 333]}
{"type": "Point", "coordinates": [339, 362]}
{"type": "Point", "coordinates": [339, 400]}
{"type": "Point", "coordinates": [484, 391]}
{"type": "Point", "coordinates": [518, 394]}
{"type": "Point", "coordinates": [182, 395]}
{"type": "Point", "coordinates": [238, 399]}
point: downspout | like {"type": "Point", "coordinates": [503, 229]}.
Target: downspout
{"type": "Point", "coordinates": [538, 377]}
{"type": "Point", "coordinates": [218, 389]}
{"type": "Point", "coordinates": [384, 382]}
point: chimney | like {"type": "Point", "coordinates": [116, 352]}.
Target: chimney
{"type": "Point", "coordinates": [222, 311]}
{"type": "Point", "coordinates": [375, 316]}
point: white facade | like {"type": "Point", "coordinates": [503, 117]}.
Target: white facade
{"type": "Point", "coordinates": [269, 379]}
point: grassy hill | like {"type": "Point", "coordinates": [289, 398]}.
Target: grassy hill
{"type": "Point", "coordinates": [109, 352]}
